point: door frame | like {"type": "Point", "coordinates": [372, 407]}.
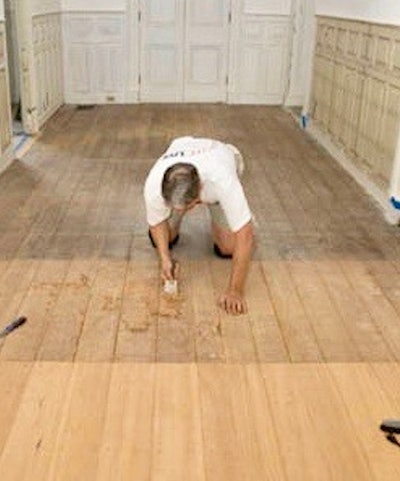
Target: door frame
{"type": "Point", "coordinates": [29, 111]}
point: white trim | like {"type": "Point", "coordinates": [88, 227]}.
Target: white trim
{"type": "Point", "coordinates": [132, 96]}
{"type": "Point", "coordinates": [87, 11]}
{"type": "Point", "coordinates": [45, 14]}
{"type": "Point", "coordinates": [132, 51]}
{"type": "Point", "coordinates": [311, 44]}
{"type": "Point", "coordinates": [6, 158]}
{"type": "Point", "coordinates": [49, 114]}
{"type": "Point", "coordinates": [391, 214]}
{"type": "Point", "coordinates": [395, 179]}
{"type": "Point", "coordinates": [294, 100]}
{"type": "Point", "coordinates": [22, 149]}
{"type": "Point", "coordinates": [103, 98]}
{"type": "Point", "coordinates": [16, 152]}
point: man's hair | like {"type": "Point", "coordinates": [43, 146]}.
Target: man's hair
{"type": "Point", "coordinates": [180, 184]}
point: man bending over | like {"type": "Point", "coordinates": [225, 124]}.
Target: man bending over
{"type": "Point", "coordinates": [202, 171]}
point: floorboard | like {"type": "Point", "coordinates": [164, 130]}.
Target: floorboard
{"type": "Point", "coordinates": [111, 380]}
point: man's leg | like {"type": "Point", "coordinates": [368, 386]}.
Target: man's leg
{"type": "Point", "coordinates": [223, 241]}
{"type": "Point", "coordinates": [224, 238]}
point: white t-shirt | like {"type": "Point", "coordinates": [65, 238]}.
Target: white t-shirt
{"type": "Point", "coordinates": [216, 166]}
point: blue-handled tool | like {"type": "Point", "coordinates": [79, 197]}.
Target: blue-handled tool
{"type": "Point", "coordinates": [12, 326]}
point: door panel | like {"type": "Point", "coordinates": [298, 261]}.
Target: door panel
{"type": "Point", "coordinates": [110, 69]}
{"type": "Point", "coordinates": [29, 98]}
{"type": "Point", "coordinates": [261, 61]}
{"type": "Point", "coordinates": [206, 50]}
{"type": "Point", "coordinates": [79, 71]}
{"type": "Point", "coordinates": [162, 50]}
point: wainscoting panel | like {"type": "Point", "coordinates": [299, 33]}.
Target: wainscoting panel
{"type": "Point", "coordinates": [5, 123]}
{"type": "Point", "coordinates": [47, 39]}
{"type": "Point", "coordinates": [356, 92]}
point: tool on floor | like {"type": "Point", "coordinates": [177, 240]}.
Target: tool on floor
{"type": "Point", "coordinates": [391, 427]}
{"type": "Point", "coordinates": [12, 326]}
{"type": "Point", "coordinates": [171, 285]}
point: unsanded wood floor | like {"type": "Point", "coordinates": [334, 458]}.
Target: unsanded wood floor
{"type": "Point", "coordinates": [109, 380]}
{"type": "Point", "coordinates": [75, 257]}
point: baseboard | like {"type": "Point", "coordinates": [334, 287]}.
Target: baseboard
{"type": "Point", "coordinates": [294, 100]}
{"type": "Point", "coordinates": [24, 144]}
{"type": "Point", "coordinates": [389, 211]}
{"type": "Point", "coordinates": [96, 99]}
{"type": "Point", "coordinates": [6, 159]}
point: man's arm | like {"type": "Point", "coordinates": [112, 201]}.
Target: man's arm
{"type": "Point", "coordinates": [160, 234]}
{"type": "Point", "coordinates": [232, 301]}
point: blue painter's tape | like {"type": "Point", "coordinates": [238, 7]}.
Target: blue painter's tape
{"type": "Point", "coordinates": [21, 142]}
{"type": "Point", "coordinates": [395, 202]}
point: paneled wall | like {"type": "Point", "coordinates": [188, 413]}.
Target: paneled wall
{"type": "Point", "coordinates": [48, 62]}
{"type": "Point", "coordinates": [261, 59]}
{"type": "Point", "coordinates": [259, 45]}
{"type": "Point", "coordinates": [5, 121]}
{"type": "Point", "coordinates": [356, 92]}
{"type": "Point", "coordinates": [95, 57]}
{"type": "Point", "coordinates": [41, 7]}
{"type": "Point", "coordinates": [375, 11]}
{"type": "Point", "coordinates": [105, 52]}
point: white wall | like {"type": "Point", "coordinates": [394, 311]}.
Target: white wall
{"type": "Point", "coordinates": [267, 7]}
{"type": "Point", "coordinates": [93, 5]}
{"type": "Point", "coordinates": [40, 7]}
{"type": "Point", "coordinates": [380, 11]}
{"type": "Point", "coordinates": [1, 10]}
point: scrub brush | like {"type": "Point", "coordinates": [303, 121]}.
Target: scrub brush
{"type": "Point", "coordinates": [171, 285]}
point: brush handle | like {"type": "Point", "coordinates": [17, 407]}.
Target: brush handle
{"type": "Point", "coordinates": [13, 325]}
{"type": "Point", "coordinates": [391, 426]}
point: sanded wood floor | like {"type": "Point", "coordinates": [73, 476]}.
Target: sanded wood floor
{"type": "Point", "coordinates": [169, 422]}
{"type": "Point", "coordinates": [75, 258]}
{"type": "Point", "coordinates": [110, 381]}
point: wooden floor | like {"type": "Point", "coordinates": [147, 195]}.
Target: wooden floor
{"type": "Point", "coordinates": [109, 380]}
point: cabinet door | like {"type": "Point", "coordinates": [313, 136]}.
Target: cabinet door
{"type": "Point", "coordinates": [161, 62]}
{"type": "Point", "coordinates": [206, 50]}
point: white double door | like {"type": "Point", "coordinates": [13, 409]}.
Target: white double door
{"type": "Point", "coordinates": [184, 47]}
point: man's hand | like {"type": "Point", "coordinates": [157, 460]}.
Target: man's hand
{"type": "Point", "coordinates": [233, 303]}
{"type": "Point", "coordinates": [169, 269]}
